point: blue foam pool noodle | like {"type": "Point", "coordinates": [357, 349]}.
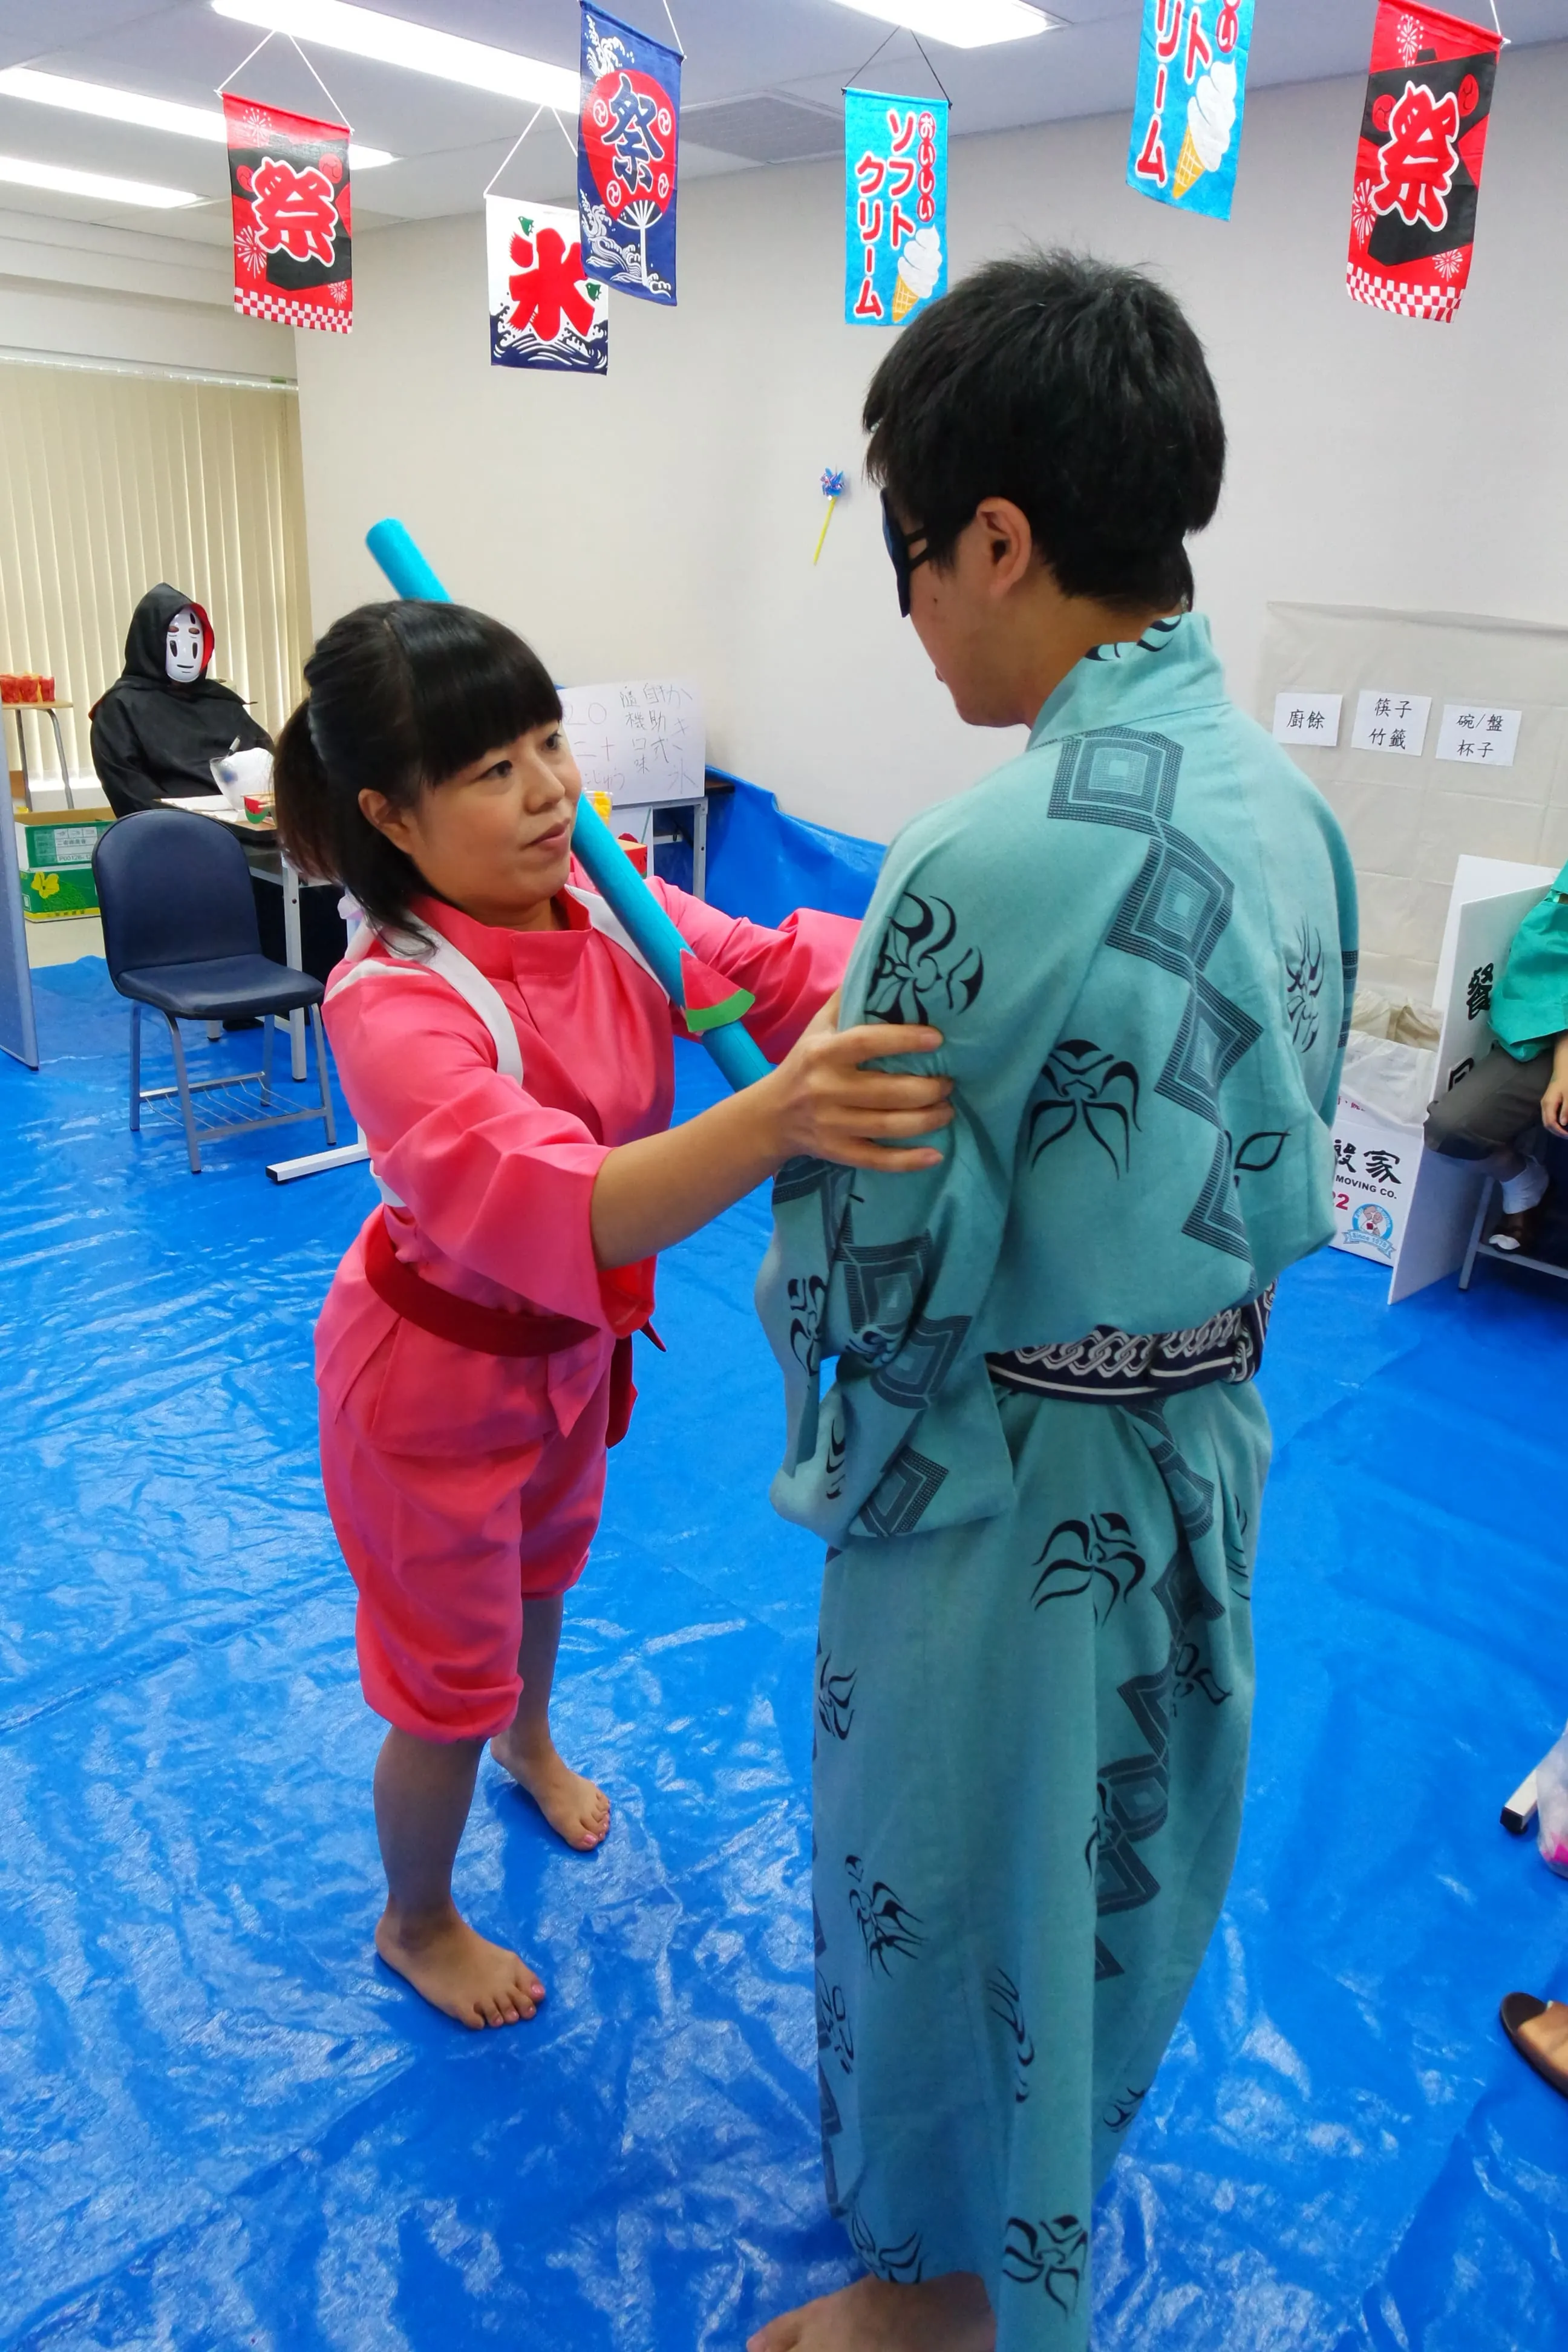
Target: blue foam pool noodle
{"type": "Point", "coordinates": [607, 864]}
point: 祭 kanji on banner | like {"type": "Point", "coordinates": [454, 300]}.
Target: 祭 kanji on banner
{"type": "Point", "coordinates": [288, 186]}
{"type": "Point", "coordinates": [1191, 88]}
{"type": "Point", "coordinates": [1418, 165]}
{"type": "Point", "coordinates": [626, 157]}
{"type": "Point", "coordinates": [545, 313]}
{"type": "Point", "coordinates": [895, 205]}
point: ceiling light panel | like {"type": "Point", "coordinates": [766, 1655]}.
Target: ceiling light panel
{"type": "Point", "coordinates": [23, 174]}
{"type": "Point", "coordinates": [148, 113]}
{"type": "Point", "coordinates": [392, 41]}
{"type": "Point", "coordinates": [962, 23]}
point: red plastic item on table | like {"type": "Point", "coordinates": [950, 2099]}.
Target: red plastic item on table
{"type": "Point", "coordinates": [28, 689]}
{"type": "Point", "coordinates": [637, 851]}
{"type": "Point", "coordinates": [9, 685]}
{"type": "Point", "coordinates": [45, 689]}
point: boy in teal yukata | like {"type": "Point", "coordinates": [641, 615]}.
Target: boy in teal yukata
{"type": "Point", "coordinates": [1041, 1466]}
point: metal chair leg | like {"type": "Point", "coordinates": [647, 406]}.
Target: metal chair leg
{"type": "Point", "coordinates": [191, 1145]}
{"type": "Point", "coordinates": [1478, 1232]}
{"type": "Point", "coordinates": [135, 1068]}
{"type": "Point", "coordinates": [215, 1031]}
{"type": "Point", "coordinates": [327, 1120]}
{"type": "Point", "coordinates": [267, 1033]}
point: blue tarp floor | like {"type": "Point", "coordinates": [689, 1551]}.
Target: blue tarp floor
{"type": "Point", "coordinates": [225, 2124]}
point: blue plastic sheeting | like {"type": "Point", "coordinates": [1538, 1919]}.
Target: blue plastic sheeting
{"type": "Point", "coordinates": [225, 2124]}
{"type": "Point", "coordinates": [763, 862]}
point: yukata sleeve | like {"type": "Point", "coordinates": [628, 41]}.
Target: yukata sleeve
{"type": "Point", "coordinates": [791, 971]}
{"type": "Point", "coordinates": [499, 1182]}
{"type": "Point", "coordinates": [888, 1272]}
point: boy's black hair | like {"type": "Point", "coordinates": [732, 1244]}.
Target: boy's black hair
{"type": "Point", "coordinates": [402, 696]}
{"type": "Point", "coordinates": [1078, 391]}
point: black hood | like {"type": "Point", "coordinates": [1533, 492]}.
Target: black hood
{"type": "Point", "coordinates": [146, 644]}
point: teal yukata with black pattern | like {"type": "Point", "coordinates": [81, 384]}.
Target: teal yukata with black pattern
{"type": "Point", "coordinates": [1033, 1678]}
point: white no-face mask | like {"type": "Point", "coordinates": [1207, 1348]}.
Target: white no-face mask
{"type": "Point", "coordinates": [183, 647]}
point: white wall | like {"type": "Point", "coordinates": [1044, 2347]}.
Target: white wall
{"type": "Point", "coordinates": [81, 290]}
{"type": "Point", "coordinates": [664, 519]}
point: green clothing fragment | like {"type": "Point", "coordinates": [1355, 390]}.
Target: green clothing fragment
{"type": "Point", "coordinates": [1529, 1011]}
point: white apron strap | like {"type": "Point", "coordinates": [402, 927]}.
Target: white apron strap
{"type": "Point", "coordinates": [417, 948]}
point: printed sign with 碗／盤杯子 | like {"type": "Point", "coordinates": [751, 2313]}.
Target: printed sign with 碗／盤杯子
{"type": "Point", "coordinates": [895, 205]}
{"type": "Point", "coordinates": [1192, 89]}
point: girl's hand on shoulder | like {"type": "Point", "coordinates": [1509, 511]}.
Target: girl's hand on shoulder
{"type": "Point", "coordinates": [827, 1105]}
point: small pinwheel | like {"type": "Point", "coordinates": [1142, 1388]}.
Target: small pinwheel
{"type": "Point", "coordinates": [834, 487]}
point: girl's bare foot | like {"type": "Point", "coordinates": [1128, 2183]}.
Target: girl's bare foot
{"type": "Point", "coordinates": [575, 1808]}
{"type": "Point", "coordinates": [947, 2315]}
{"type": "Point", "coordinates": [478, 1982]}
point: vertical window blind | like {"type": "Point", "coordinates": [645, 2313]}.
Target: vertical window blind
{"type": "Point", "coordinates": [110, 482]}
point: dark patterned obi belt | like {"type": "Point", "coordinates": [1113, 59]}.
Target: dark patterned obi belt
{"type": "Point", "coordinates": [1111, 1367]}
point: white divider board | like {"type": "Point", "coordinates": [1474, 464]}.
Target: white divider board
{"type": "Point", "coordinates": [1482, 877]}
{"type": "Point", "coordinates": [1420, 1228]}
{"type": "Point", "coordinates": [640, 740]}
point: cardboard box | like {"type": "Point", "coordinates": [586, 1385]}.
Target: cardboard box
{"type": "Point", "coordinates": [1375, 1164]}
{"type": "Point", "coordinates": [50, 892]}
{"type": "Point", "coordinates": [61, 838]}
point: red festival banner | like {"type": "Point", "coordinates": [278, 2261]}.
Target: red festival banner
{"type": "Point", "coordinates": [289, 184]}
{"type": "Point", "coordinates": [1418, 166]}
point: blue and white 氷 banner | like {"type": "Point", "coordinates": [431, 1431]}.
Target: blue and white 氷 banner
{"type": "Point", "coordinates": [1191, 88]}
{"type": "Point", "coordinates": [626, 155]}
{"type": "Point", "coordinates": [544, 312]}
{"type": "Point", "coordinates": [895, 205]}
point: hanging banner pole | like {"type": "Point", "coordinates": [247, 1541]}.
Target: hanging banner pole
{"type": "Point", "coordinates": [600, 854]}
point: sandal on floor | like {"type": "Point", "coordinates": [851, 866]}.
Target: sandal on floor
{"type": "Point", "coordinates": [1546, 2051]}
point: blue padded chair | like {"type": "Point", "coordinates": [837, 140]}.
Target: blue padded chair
{"type": "Point", "coordinates": [180, 934]}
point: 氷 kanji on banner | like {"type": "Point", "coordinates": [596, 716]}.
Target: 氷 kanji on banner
{"type": "Point", "coordinates": [1192, 89]}
{"type": "Point", "coordinates": [289, 184]}
{"type": "Point", "coordinates": [545, 313]}
{"type": "Point", "coordinates": [1418, 165]}
{"type": "Point", "coordinates": [626, 156]}
{"type": "Point", "coordinates": [895, 205]}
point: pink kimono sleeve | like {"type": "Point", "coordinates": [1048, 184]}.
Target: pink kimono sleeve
{"type": "Point", "coordinates": [792, 971]}
{"type": "Point", "coordinates": [499, 1184]}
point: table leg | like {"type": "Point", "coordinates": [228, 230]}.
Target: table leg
{"type": "Point", "coordinates": [61, 756]}
{"type": "Point", "coordinates": [294, 955]}
{"type": "Point", "coordinates": [22, 757]}
{"type": "Point", "coordinates": [699, 847]}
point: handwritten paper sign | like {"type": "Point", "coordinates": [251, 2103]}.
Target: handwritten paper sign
{"type": "Point", "coordinates": [1387, 722]}
{"type": "Point", "coordinates": [1311, 718]}
{"type": "Point", "coordinates": [1478, 734]}
{"type": "Point", "coordinates": [639, 740]}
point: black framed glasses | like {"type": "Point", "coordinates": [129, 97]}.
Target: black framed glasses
{"type": "Point", "coordinates": [897, 542]}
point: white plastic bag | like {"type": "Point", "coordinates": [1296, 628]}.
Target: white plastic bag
{"type": "Point", "coordinates": [1391, 1057]}
{"type": "Point", "coordinates": [1551, 1808]}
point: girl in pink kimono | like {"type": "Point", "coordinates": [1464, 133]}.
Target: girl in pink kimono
{"type": "Point", "coordinates": [509, 1057]}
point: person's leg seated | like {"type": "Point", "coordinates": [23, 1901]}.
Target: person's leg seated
{"type": "Point", "coordinates": [1492, 1118]}
{"type": "Point", "coordinates": [561, 1506]}
{"type": "Point", "coordinates": [944, 2315]}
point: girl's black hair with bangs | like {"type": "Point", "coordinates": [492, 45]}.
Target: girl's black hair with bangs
{"type": "Point", "coordinates": [400, 697]}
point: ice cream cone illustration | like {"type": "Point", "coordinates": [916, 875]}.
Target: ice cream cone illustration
{"type": "Point", "coordinates": [920, 267]}
{"type": "Point", "coordinates": [1211, 119]}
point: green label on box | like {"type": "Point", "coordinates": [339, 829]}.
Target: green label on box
{"type": "Point", "coordinates": [39, 846]}
{"type": "Point", "coordinates": [51, 891]}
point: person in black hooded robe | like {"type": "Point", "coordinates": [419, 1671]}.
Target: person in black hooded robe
{"type": "Point", "coordinates": [159, 727]}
